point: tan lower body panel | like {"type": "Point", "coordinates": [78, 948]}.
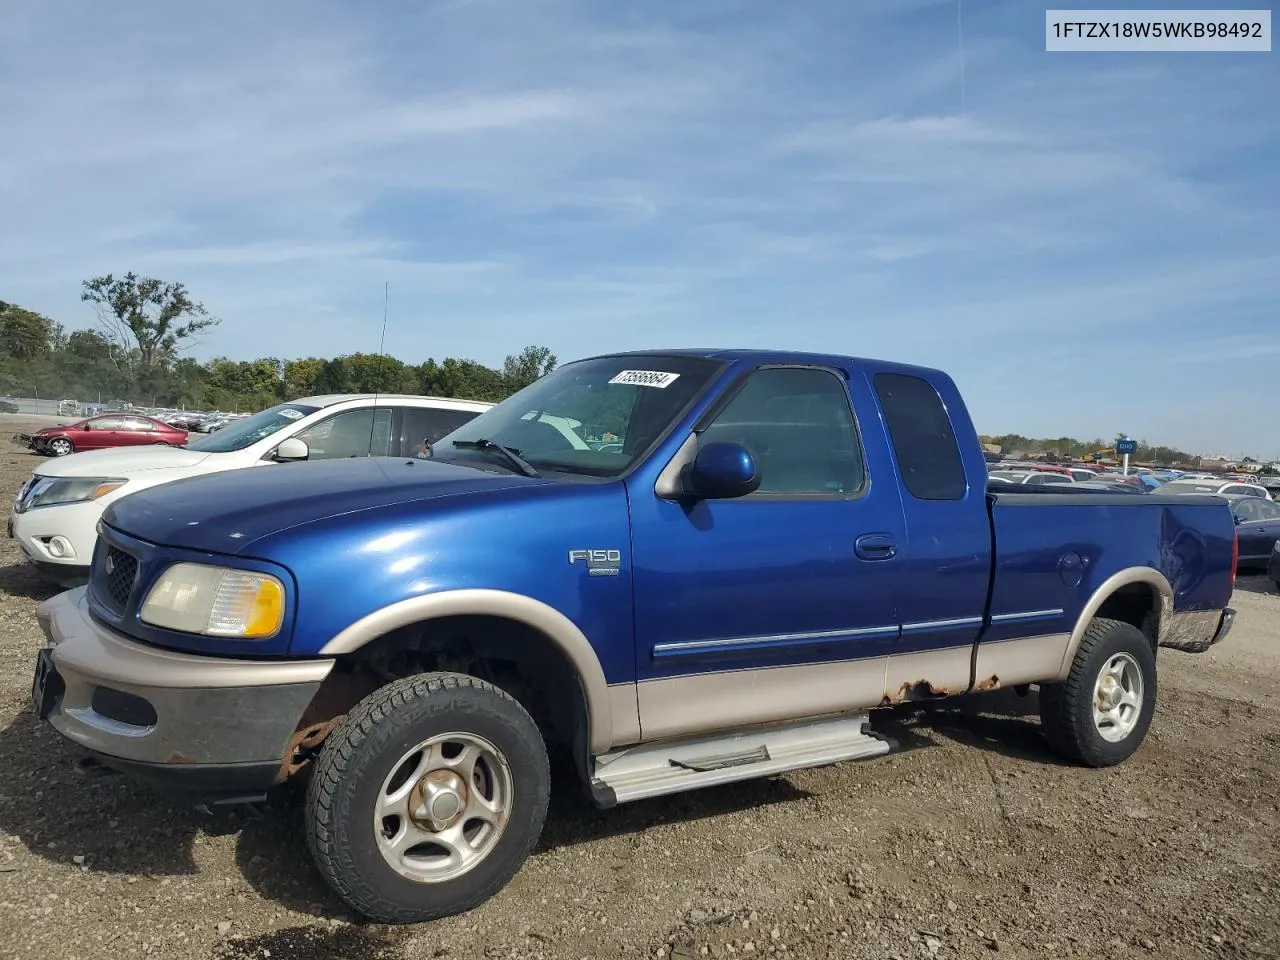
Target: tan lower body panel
{"type": "Point", "coordinates": [1024, 660]}
{"type": "Point", "coordinates": [625, 710]}
{"type": "Point", "coordinates": [939, 673]}
{"type": "Point", "coordinates": [683, 706]}
{"type": "Point", "coordinates": [701, 703]}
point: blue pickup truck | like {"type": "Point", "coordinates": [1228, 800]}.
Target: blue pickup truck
{"type": "Point", "coordinates": [680, 568]}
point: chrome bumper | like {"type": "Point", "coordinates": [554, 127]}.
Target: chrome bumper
{"type": "Point", "coordinates": [148, 707]}
{"type": "Point", "coordinates": [1224, 626]}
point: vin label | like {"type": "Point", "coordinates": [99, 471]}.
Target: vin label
{"type": "Point", "coordinates": [646, 378]}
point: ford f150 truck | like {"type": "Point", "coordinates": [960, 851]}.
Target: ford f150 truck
{"type": "Point", "coordinates": [768, 547]}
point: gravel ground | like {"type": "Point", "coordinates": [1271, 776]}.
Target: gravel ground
{"type": "Point", "coordinates": [971, 841]}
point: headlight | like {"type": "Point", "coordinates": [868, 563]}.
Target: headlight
{"type": "Point", "coordinates": [216, 602]}
{"type": "Point", "coordinates": [48, 491]}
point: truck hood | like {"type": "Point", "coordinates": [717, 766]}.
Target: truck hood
{"type": "Point", "coordinates": [227, 512]}
{"type": "Point", "coordinates": [122, 461]}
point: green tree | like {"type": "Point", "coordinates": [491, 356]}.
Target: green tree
{"type": "Point", "coordinates": [464, 379]}
{"type": "Point", "coordinates": [300, 377]}
{"type": "Point", "coordinates": [332, 377]}
{"type": "Point", "coordinates": [376, 373]}
{"type": "Point", "coordinates": [528, 365]}
{"type": "Point", "coordinates": [156, 318]}
{"type": "Point", "coordinates": [93, 368]}
{"type": "Point", "coordinates": [24, 334]}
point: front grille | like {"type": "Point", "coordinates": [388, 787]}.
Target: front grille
{"type": "Point", "coordinates": [114, 577]}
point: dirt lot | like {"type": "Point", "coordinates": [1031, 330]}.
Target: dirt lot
{"type": "Point", "coordinates": [972, 841]}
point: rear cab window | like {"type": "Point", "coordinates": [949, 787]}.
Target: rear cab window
{"type": "Point", "coordinates": [922, 436]}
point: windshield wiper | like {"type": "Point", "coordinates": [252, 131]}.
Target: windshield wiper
{"type": "Point", "coordinates": [512, 456]}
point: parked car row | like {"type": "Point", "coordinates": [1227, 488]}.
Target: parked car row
{"type": "Point", "coordinates": [1166, 481]}
{"type": "Point", "coordinates": [1256, 516]}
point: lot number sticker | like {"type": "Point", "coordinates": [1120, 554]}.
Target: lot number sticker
{"type": "Point", "coordinates": [292, 414]}
{"type": "Point", "coordinates": [646, 378]}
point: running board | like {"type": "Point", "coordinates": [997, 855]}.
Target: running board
{"type": "Point", "coordinates": [656, 769]}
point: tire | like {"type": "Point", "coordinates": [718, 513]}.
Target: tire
{"type": "Point", "coordinates": [360, 765]}
{"type": "Point", "coordinates": [1067, 709]}
{"type": "Point", "coordinates": [61, 447]}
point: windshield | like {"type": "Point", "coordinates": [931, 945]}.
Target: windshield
{"type": "Point", "coordinates": [593, 417]}
{"type": "Point", "coordinates": [247, 432]}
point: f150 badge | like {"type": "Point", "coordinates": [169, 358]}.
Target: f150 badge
{"type": "Point", "coordinates": [600, 563]}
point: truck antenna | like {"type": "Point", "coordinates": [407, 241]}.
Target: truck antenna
{"type": "Point", "coordinates": [382, 344]}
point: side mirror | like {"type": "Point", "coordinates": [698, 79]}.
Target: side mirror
{"type": "Point", "coordinates": [292, 449]}
{"type": "Point", "coordinates": [1237, 518]}
{"type": "Point", "coordinates": [722, 471]}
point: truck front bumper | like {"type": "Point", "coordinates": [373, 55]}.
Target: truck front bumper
{"type": "Point", "coordinates": [214, 725]}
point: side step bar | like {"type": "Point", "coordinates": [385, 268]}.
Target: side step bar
{"type": "Point", "coordinates": [656, 769]}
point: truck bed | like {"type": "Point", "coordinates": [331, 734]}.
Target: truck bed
{"type": "Point", "coordinates": [1055, 549]}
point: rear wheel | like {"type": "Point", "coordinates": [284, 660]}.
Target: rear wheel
{"type": "Point", "coordinates": [1101, 713]}
{"type": "Point", "coordinates": [61, 446]}
{"type": "Point", "coordinates": [427, 799]}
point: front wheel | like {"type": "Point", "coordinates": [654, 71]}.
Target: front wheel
{"type": "Point", "coordinates": [1100, 714]}
{"type": "Point", "coordinates": [427, 799]}
{"type": "Point", "coordinates": [60, 447]}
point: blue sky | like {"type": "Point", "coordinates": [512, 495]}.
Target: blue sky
{"type": "Point", "coordinates": [1087, 242]}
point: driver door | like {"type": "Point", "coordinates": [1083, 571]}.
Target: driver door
{"type": "Point", "coordinates": [782, 603]}
{"type": "Point", "coordinates": [100, 433]}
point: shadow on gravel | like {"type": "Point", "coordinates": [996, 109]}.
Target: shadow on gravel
{"type": "Point", "coordinates": [1255, 583]}
{"type": "Point", "coordinates": [119, 826]}
{"type": "Point", "coordinates": [307, 943]}
{"type": "Point", "coordinates": [115, 825]}
{"type": "Point", "coordinates": [1001, 722]}
{"type": "Point", "coordinates": [272, 852]}
{"type": "Point", "coordinates": [21, 580]}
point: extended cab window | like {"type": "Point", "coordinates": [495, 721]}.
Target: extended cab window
{"type": "Point", "coordinates": [799, 426]}
{"type": "Point", "coordinates": [354, 433]}
{"type": "Point", "coordinates": [924, 442]}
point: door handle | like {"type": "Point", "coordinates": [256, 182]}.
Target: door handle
{"type": "Point", "coordinates": [875, 546]}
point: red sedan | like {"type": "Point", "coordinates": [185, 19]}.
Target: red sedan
{"type": "Point", "coordinates": [107, 430]}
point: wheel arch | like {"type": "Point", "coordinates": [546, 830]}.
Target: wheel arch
{"type": "Point", "coordinates": [1131, 595]}
{"type": "Point", "coordinates": [549, 624]}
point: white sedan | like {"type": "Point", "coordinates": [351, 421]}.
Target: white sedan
{"type": "Point", "coordinates": [56, 513]}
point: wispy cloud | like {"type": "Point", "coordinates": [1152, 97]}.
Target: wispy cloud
{"type": "Point", "coordinates": [599, 176]}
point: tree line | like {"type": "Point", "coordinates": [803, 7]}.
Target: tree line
{"type": "Point", "coordinates": [135, 354]}
{"type": "Point", "coordinates": [145, 325]}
